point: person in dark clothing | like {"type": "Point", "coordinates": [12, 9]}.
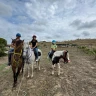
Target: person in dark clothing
{"type": "Point", "coordinates": [11, 50]}
{"type": "Point", "coordinates": [34, 46]}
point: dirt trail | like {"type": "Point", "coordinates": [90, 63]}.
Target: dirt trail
{"type": "Point", "coordinates": [3, 60]}
{"type": "Point", "coordinates": [78, 78]}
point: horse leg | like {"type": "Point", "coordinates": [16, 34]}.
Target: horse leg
{"type": "Point", "coordinates": [23, 65]}
{"type": "Point", "coordinates": [28, 70]}
{"type": "Point", "coordinates": [18, 71]}
{"type": "Point", "coordinates": [58, 68]}
{"type": "Point", "coordinates": [14, 76]}
{"type": "Point", "coordinates": [39, 64]}
{"type": "Point", "coordinates": [36, 64]}
{"type": "Point", "coordinates": [32, 70]}
{"type": "Point", "coordinates": [52, 69]}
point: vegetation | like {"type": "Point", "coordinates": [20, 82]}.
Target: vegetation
{"type": "Point", "coordinates": [3, 43]}
{"type": "Point", "coordinates": [94, 51]}
{"type": "Point", "coordinates": [88, 51]}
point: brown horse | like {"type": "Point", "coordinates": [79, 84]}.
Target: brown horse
{"type": "Point", "coordinates": [17, 61]}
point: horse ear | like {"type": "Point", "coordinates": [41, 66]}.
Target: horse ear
{"type": "Point", "coordinates": [23, 40]}
{"type": "Point", "coordinates": [12, 39]}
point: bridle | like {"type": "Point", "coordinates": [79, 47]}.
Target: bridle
{"type": "Point", "coordinates": [28, 56]}
{"type": "Point", "coordinates": [65, 55]}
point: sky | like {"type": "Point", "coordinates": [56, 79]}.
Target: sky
{"type": "Point", "coordinates": [48, 19]}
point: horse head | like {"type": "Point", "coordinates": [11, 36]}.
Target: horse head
{"type": "Point", "coordinates": [25, 49]}
{"type": "Point", "coordinates": [66, 56]}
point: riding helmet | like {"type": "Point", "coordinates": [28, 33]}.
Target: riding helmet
{"type": "Point", "coordinates": [53, 41]}
{"type": "Point", "coordinates": [34, 36]}
{"type": "Point", "coordinates": [18, 35]}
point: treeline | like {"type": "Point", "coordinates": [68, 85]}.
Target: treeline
{"type": "Point", "coordinates": [3, 44]}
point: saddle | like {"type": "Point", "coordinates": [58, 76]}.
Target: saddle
{"type": "Point", "coordinates": [39, 54]}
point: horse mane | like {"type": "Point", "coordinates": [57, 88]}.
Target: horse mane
{"type": "Point", "coordinates": [18, 42]}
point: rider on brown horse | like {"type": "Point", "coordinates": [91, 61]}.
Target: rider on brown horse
{"type": "Point", "coordinates": [18, 35]}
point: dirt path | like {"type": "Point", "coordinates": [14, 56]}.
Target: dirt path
{"type": "Point", "coordinates": [78, 78]}
{"type": "Point", "coordinates": [3, 60]}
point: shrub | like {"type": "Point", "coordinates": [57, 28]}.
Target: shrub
{"type": "Point", "coordinates": [3, 43]}
{"type": "Point", "coordinates": [94, 51]}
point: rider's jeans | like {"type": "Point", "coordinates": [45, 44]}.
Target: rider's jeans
{"type": "Point", "coordinates": [9, 56]}
{"type": "Point", "coordinates": [36, 52]}
{"type": "Point", "coordinates": [51, 54]}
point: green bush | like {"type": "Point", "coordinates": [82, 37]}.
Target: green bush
{"type": "Point", "coordinates": [94, 51]}
{"type": "Point", "coordinates": [44, 45]}
{"type": "Point", "coordinates": [3, 43]}
{"type": "Point", "coordinates": [83, 47]}
{"type": "Point", "coordinates": [88, 51]}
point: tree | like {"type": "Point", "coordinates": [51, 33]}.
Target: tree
{"type": "Point", "coordinates": [3, 43]}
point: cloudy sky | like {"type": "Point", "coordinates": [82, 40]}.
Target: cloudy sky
{"type": "Point", "coordinates": [48, 19]}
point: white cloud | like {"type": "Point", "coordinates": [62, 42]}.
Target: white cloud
{"type": "Point", "coordinates": [5, 10]}
{"type": "Point", "coordinates": [48, 19]}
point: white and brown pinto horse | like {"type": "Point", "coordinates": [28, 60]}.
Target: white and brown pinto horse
{"type": "Point", "coordinates": [56, 58]}
{"type": "Point", "coordinates": [29, 58]}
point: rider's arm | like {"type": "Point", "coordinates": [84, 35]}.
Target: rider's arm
{"type": "Point", "coordinates": [52, 47]}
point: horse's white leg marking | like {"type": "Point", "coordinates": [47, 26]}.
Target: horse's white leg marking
{"type": "Point", "coordinates": [24, 70]}
{"type": "Point", "coordinates": [52, 69]}
{"type": "Point", "coordinates": [68, 56]}
{"type": "Point", "coordinates": [58, 68]}
{"type": "Point", "coordinates": [28, 70]}
{"type": "Point", "coordinates": [32, 70]}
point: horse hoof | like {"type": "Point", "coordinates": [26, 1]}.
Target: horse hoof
{"type": "Point", "coordinates": [31, 76]}
{"type": "Point", "coordinates": [28, 76]}
{"type": "Point", "coordinates": [14, 85]}
{"type": "Point", "coordinates": [58, 74]}
{"type": "Point", "coordinates": [52, 73]}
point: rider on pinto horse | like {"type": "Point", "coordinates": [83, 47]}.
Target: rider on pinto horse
{"type": "Point", "coordinates": [10, 52]}
{"type": "Point", "coordinates": [53, 48]}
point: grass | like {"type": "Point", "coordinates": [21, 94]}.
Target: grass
{"type": "Point", "coordinates": [2, 66]}
{"type": "Point", "coordinates": [3, 70]}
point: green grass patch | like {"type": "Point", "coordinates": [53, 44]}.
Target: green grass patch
{"type": "Point", "coordinates": [2, 66]}
{"type": "Point", "coordinates": [4, 71]}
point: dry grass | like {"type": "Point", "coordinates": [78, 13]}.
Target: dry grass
{"type": "Point", "coordinates": [78, 78]}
